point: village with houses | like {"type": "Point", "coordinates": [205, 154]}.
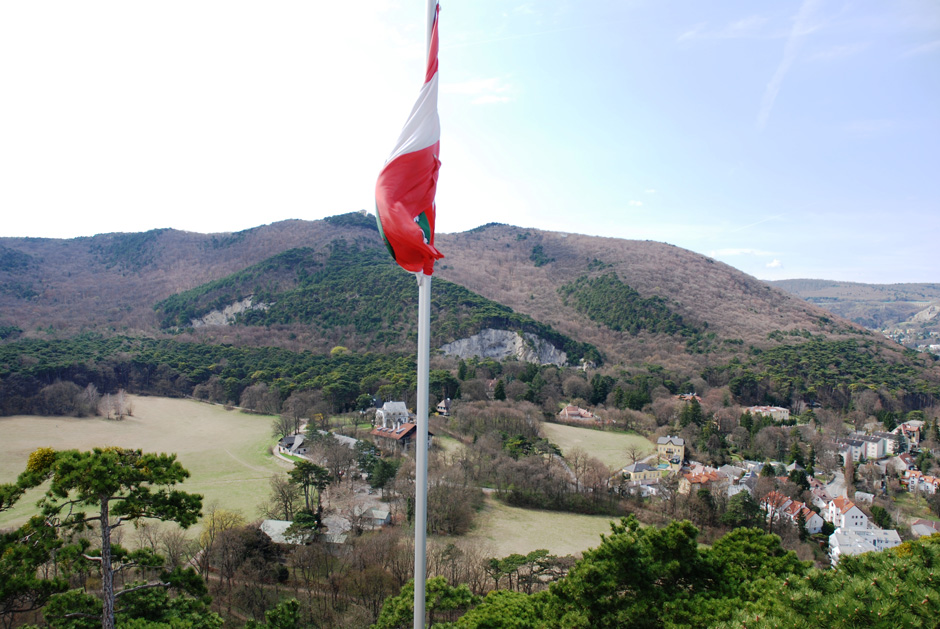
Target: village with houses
{"type": "Point", "coordinates": [829, 509]}
{"type": "Point", "coordinates": [792, 497]}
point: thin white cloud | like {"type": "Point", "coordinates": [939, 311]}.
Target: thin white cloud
{"type": "Point", "coordinates": [760, 222]}
{"type": "Point", "coordinates": [483, 91]}
{"type": "Point", "coordinates": [747, 27]}
{"type": "Point", "coordinates": [774, 264]}
{"type": "Point", "coordinates": [650, 191]}
{"type": "Point", "coordinates": [801, 28]}
{"type": "Point", "coordinates": [923, 49]}
{"type": "Point", "coordinates": [836, 53]}
{"type": "Point", "coordinates": [635, 203]}
{"type": "Point", "coordinates": [696, 32]}
{"type": "Point", "coordinates": [750, 27]}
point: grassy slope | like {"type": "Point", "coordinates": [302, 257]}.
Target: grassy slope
{"type": "Point", "coordinates": [226, 452]}
{"type": "Point", "coordinates": [503, 530]}
{"type": "Point", "coordinates": [609, 447]}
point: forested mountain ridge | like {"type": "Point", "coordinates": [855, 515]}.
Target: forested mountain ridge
{"type": "Point", "coordinates": [911, 309]}
{"type": "Point", "coordinates": [358, 291]}
{"type": "Point", "coordinates": [637, 302]}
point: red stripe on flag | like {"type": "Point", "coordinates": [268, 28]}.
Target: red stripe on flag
{"type": "Point", "coordinates": [432, 51]}
{"type": "Point", "coordinates": [404, 192]}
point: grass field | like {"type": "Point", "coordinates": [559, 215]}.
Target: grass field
{"type": "Point", "coordinates": [503, 530]}
{"type": "Point", "coordinates": [448, 444]}
{"type": "Point", "coordinates": [226, 452]}
{"type": "Point", "coordinates": [609, 447]}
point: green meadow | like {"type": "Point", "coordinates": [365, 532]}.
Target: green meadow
{"type": "Point", "coordinates": [225, 451]}
{"type": "Point", "coordinates": [228, 456]}
{"type": "Point", "coordinates": [608, 446]}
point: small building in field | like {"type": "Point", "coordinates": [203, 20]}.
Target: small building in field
{"type": "Point", "coordinates": [377, 518]}
{"type": "Point", "coordinates": [443, 407]}
{"type": "Point", "coordinates": [576, 413]}
{"type": "Point", "coordinates": [293, 444]}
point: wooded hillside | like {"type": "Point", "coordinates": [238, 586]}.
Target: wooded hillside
{"type": "Point", "coordinates": [625, 304]}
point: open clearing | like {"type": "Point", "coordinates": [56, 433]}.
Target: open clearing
{"type": "Point", "coordinates": [609, 447]}
{"type": "Point", "coordinates": [226, 452]}
{"type": "Point", "coordinates": [227, 455]}
{"type": "Point", "coordinates": [503, 530]}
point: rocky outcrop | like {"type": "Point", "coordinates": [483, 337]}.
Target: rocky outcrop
{"type": "Point", "coordinates": [226, 316]}
{"type": "Point", "coordinates": [927, 314]}
{"type": "Point", "coordinates": [503, 344]}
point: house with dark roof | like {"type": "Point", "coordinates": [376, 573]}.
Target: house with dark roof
{"type": "Point", "coordinates": [671, 449]}
{"type": "Point", "coordinates": [293, 445]}
{"type": "Point", "coordinates": [640, 471]}
{"type": "Point", "coordinates": [923, 528]}
{"type": "Point", "coordinates": [392, 413]}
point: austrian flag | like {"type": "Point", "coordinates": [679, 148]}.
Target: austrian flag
{"type": "Point", "coordinates": [404, 193]}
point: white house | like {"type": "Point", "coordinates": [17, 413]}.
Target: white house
{"type": "Point", "coordinates": [293, 444]}
{"type": "Point", "coordinates": [891, 442]}
{"type": "Point", "coordinates": [874, 447]}
{"type": "Point", "coordinates": [844, 515]}
{"type": "Point", "coordinates": [812, 521]}
{"type": "Point", "coordinates": [850, 447]}
{"type": "Point", "coordinates": [909, 433]}
{"type": "Point", "coordinates": [776, 413]}
{"type": "Point", "coordinates": [863, 497]}
{"type": "Point", "coordinates": [671, 449]}
{"type": "Point", "coordinates": [276, 530]}
{"type": "Point", "coordinates": [856, 542]}
{"type": "Point", "coordinates": [777, 503]}
{"type": "Point", "coordinates": [392, 415]}
{"type": "Point", "coordinates": [918, 481]}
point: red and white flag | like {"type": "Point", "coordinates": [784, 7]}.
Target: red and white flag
{"type": "Point", "coordinates": [404, 193]}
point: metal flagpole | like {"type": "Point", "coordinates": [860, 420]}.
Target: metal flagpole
{"type": "Point", "coordinates": [421, 448]}
{"type": "Point", "coordinates": [421, 438]}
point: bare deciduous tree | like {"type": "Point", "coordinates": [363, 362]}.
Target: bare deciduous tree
{"type": "Point", "coordinates": [284, 501]}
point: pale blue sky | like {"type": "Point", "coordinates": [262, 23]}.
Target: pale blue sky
{"type": "Point", "coordinates": [788, 139]}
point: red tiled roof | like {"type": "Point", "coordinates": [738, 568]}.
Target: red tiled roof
{"type": "Point", "coordinates": [701, 479]}
{"type": "Point", "coordinates": [394, 433]}
{"type": "Point", "coordinates": [775, 499]}
{"type": "Point", "coordinates": [843, 504]}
